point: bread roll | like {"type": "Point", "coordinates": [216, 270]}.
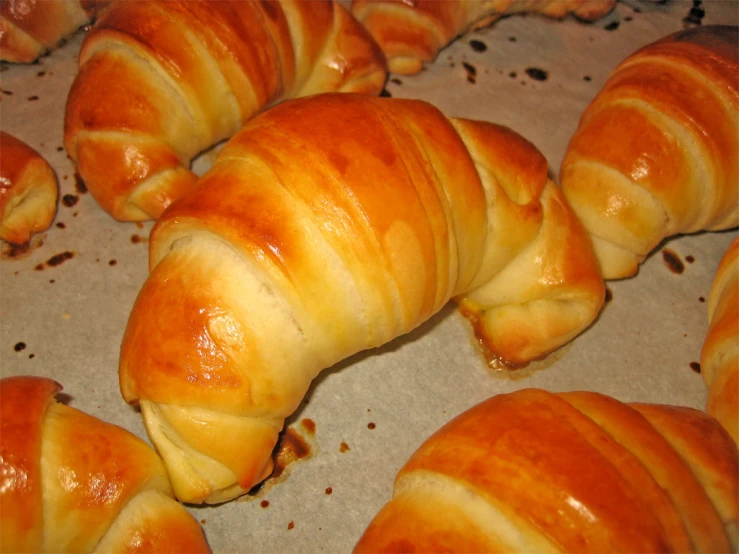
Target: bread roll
{"type": "Point", "coordinates": [31, 28]}
{"type": "Point", "coordinates": [330, 225]}
{"type": "Point", "coordinates": [533, 471]}
{"type": "Point", "coordinates": [720, 353]}
{"type": "Point", "coordinates": [161, 81]}
{"type": "Point", "coordinates": [28, 191]}
{"type": "Point", "coordinates": [70, 482]}
{"type": "Point", "coordinates": [657, 151]}
{"type": "Point", "coordinates": [413, 32]}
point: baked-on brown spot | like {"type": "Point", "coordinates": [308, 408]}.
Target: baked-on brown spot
{"type": "Point", "coordinates": [471, 72]}
{"type": "Point", "coordinates": [19, 346]}
{"type": "Point", "coordinates": [478, 45]}
{"type": "Point", "coordinates": [690, 259]}
{"type": "Point", "coordinates": [609, 295]}
{"type": "Point", "coordinates": [695, 15]}
{"type": "Point", "coordinates": [695, 366]}
{"type": "Point", "coordinates": [537, 74]}
{"type": "Point", "coordinates": [70, 200]}
{"type": "Point", "coordinates": [264, 503]}
{"type": "Point", "coordinates": [343, 447]}
{"type": "Point", "coordinates": [32, 98]}
{"type": "Point", "coordinates": [673, 261]}
{"type": "Point", "coordinates": [57, 259]}
{"type": "Point", "coordinates": [290, 525]}
{"type": "Point", "coordinates": [371, 425]}
{"type": "Point", "coordinates": [329, 490]}
{"type": "Point", "coordinates": [612, 26]}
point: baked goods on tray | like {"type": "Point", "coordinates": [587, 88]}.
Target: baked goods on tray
{"type": "Point", "coordinates": [161, 81]}
{"type": "Point", "coordinates": [534, 471]}
{"type": "Point", "coordinates": [720, 353]}
{"type": "Point", "coordinates": [326, 226]}
{"type": "Point", "coordinates": [31, 28]}
{"type": "Point", "coordinates": [28, 191]}
{"type": "Point", "coordinates": [413, 32]}
{"type": "Point", "coordinates": [70, 482]}
{"type": "Point", "coordinates": [657, 151]}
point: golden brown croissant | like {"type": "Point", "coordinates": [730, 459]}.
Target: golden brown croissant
{"type": "Point", "coordinates": [327, 226]}
{"type": "Point", "coordinates": [720, 353]}
{"type": "Point", "coordinates": [533, 471]}
{"type": "Point", "coordinates": [657, 151]}
{"type": "Point", "coordinates": [31, 28]}
{"type": "Point", "coordinates": [161, 81]}
{"type": "Point", "coordinates": [28, 191]}
{"type": "Point", "coordinates": [413, 32]}
{"type": "Point", "coordinates": [70, 482]}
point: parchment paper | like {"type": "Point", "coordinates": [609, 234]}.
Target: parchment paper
{"type": "Point", "coordinates": [65, 301]}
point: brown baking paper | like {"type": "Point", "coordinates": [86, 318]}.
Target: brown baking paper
{"type": "Point", "coordinates": [65, 300]}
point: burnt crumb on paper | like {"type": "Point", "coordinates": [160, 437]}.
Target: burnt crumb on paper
{"type": "Point", "coordinates": [32, 98]}
{"type": "Point", "coordinates": [291, 526]}
{"type": "Point", "coordinates": [55, 260]}
{"type": "Point", "coordinates": [70, 200]}
{"type": "Point", "coordinates": [136, 239]}
{"type": "Point", "coordinates": [513, 74]}
{"type": "Point", "coordinates": [264, 503]}
{"type": "Point", "coordinates": [609, 295]}
{"type": "Point", "coordinates": [537, 74]}
{"type": "Point", "coordinates": [112, 262]}
{"type": "Point", "coordinates": [471, 72]}
{"type": "Point", "coordinates": [343, 447]}
{"type": "Point", "coordinates": [695, 15]}
{"type": "Point", "coordinates": [79, 184]}
{"type": "Point", "coordinates": [371, 425]}
{"type": "Point", "coordinates": [695, 366]}
{"type": "Point", "coordinates": [673, 261]}
{"type": "Point", "coordinates": [6, 92]}
{"type": "Point", "coordinates": [612, 26]}
{"type": "Point", "coordinates": [690, 259]}
{"type": "Point", "coordinates": [396, 81]}
{"type": "Point", "coordinates": [478, 45]}
{"type": "Point", "coordinates": [385, 94]}
{"type": "Point", "coordinates": [60, 225]}
{"type": "Point", "coordinates": [329, 490]}
{"type": "Point", "coordinates": [701, 299]}
{"type": "Point", "coordinates": [40, 73]}
{"type": "Point", "coordinates": [587, 78]}
{"type": "Point", "coordinates": [19, 346]}
{"type": "Point", "coordinates": [512, 39]}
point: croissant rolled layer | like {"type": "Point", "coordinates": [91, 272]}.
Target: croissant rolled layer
{"type": "Point", "coordinates": [70, 482]}
{"type": "Point", "coordinates": [534, 471]}
{"type": "Point", "coordinates": [330, 225]}
{"type": "Point", "coordinates": [160, 82]}
{"type": "Point", "coordinates": [657, 151]}
{"type": "Point", "coordinates": [412, 33]}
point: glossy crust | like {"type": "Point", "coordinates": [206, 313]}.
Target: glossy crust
{"type": "Point", "coordinates": [720, 353]}
{"type": "Point", "coordinates": [413, 32]}
{"type": "Point", "coordinates": [31, 28]}
{"type": "Point", "coordinates": [72, 483]}
{"type": "Point", "coordinates": [28, 191]}
{"type": "Point", "coordinates": [327, 226]}
{"type": "Point", "coordinates": [161, 81]}
{"type": "Point", "coordinates": [534, 471]}
{"type": "Point", "coordinates": [657, 151]}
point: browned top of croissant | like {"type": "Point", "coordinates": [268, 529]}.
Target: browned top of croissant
{"type": "Point", "coordinates": [28, 190]}
{"type": "Point", "coordinates": [657, 151]}
{"type": "Point", "coordinates": [571, 472]}
{"type": "Point", "coordinates": [71, 482]}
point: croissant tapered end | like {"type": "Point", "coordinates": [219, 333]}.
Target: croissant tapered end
{"type": "Point", "coordinates": [73, 483]}
{"type": "Point", "coordinates": [657, 153]}
{"type": "Point", "coordinates": [533, 471]}
{"type": "Point", "coordinates": [720, 352]}
{"type": "Point", "coordinates": [161, 82]}
{"type": "Point", "coordinates": [28, 191]}
{"type": "Point", "coordinates": [412, 33]}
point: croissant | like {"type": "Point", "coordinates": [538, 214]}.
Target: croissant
{"type": "Point", "coordinates": [31, 28]}
{"type": "Point", "coordinates": [720, 353]}
{"type": "Point", "coordinates": [413, 32]}
{"type": "Point", "coordinates": [533, 471]}
{"type": "Point", "coordinates": [161, 81]}
{"type": "Point", "coordinates": [326, 226]}
{"type": "Point", "coordinates": [28, 191]}
{"type": "Point", "coordinates": [70, 482]}
{"type": "Point", "coordinates": [657, 151]}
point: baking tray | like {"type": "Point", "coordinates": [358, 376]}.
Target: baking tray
{"type": "Point", "coordinates": [66, 298]}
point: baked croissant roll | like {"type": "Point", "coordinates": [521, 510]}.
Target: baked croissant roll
{"type": "Point", "coordinates": [411, 33]}
{"type": "Point", "coordinates": [31, 28]}
{"type": "Point", "coordinates": [28, 191]}
{"type": "Point", "coordinates": [720, 353]}
{"type": "Point", "coordinates": [327, 226]}
{"type": "Point", "coordinates": [657, 151]}
{"type": "Point", "coordinates": [70, 482]}
{"type": "Point", "coordinates": [533, 471]}
{"type": "Point", "coordinates": [161, 81]}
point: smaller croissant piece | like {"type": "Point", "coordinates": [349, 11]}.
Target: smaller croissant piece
{"type": "Point", "coordinates": [656, 153]}
{"type": "Point", "coordinates": [162, 81]}
{"type": "Point", "coordinates": [413, 32]}
{"type": "Point", "coordinates": [28, 191]}
{"type": "Point", "coordinates": [70, 482]}
{"type": "Point", "coordinates": [31, 28]}
{"type": "Point", "coordinates": [533, 471]}
{"type": "Point", "coordinates": [326, 226]}
{"type": "Point", "coordinates": [720, 353]}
